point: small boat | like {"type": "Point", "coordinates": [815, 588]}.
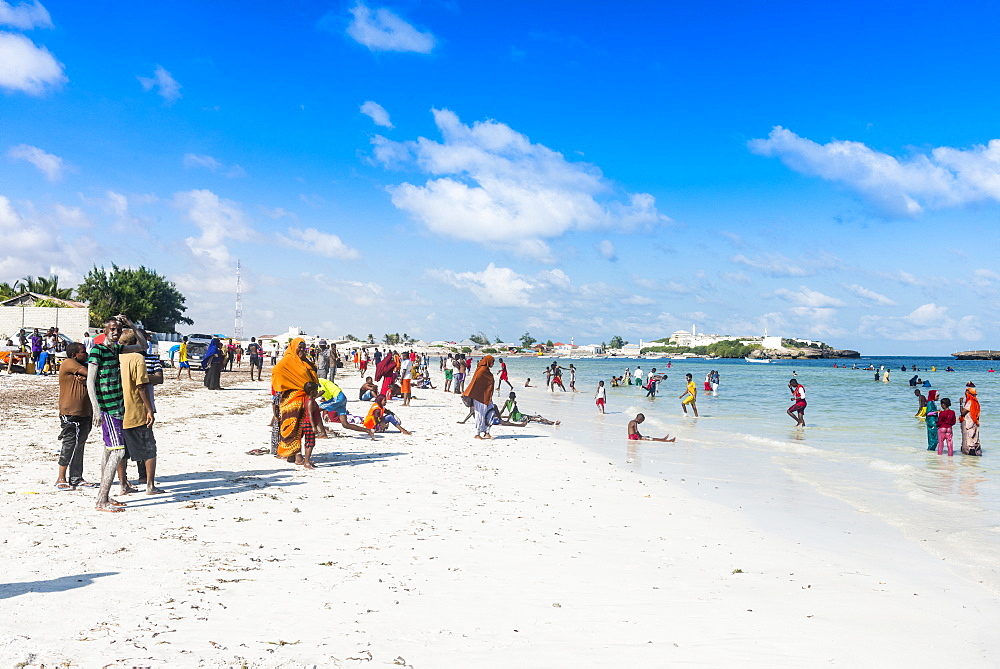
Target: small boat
{"type": "Point", "coordinates": [760, 360]}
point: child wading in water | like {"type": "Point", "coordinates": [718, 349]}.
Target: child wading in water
{"type": "Point", "coordinates": [945, 423]}
{"type": "Point", "coordinates": [602, 396]}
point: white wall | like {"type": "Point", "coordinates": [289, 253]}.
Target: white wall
{"type": "Point", "coordinates": [72, 322]}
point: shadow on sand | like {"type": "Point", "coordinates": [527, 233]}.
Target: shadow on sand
{"type": "Point", "coordinates": [8, 590]}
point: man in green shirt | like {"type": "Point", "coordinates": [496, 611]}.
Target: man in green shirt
{"type": "Point", "coordinates": [104, 386]}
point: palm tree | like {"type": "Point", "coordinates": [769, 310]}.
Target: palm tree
{"type": "Point", "coordinates": [44, 286]}
{"type": "Point", "coordinates": [7, 291]}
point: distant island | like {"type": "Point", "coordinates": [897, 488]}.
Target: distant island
{"type": "Point", "coordinates": [977, 355]}
{"type": "Point", "coordinates": [727, 346]}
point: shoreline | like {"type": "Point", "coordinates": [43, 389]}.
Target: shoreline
{"type": "Point", "coordinates": [435, 548]}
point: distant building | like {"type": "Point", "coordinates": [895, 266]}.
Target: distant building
{"type": "Point", "coordinates": [71, 317]}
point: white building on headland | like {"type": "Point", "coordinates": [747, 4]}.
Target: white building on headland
{"type": "Point", "coordinates": [693, 338]}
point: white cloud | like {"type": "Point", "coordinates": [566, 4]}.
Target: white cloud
{"type": "Point", "coordinates": [870, 295]}
{"type": "Point", "coordinates": [35, 245]}
{"type": "Point", "coordinates": [24, 16]}
{"type": "Point", "coordinates": [808, 298]}
{"type": "Point", "coordinates": [312, 240]}
{"type": "Point", "coordinates": [984, 278]}
{"type": "Point", "coordinates": [491, 185]}
{"type": "Point", "coordinates": [897, 186]}
{"type": "Point", "coordinates": [26, 67]}
{"type": "Point", "coordinates": [71, 216]}
{"type": "Point", "coordinates": [928, 322]}
{"type": "Point", "coordinates": [382, 30]}
{"type": "Point", "coordinates": [194, 160]}
{"type": "Point", "coordinates": [199, 160]}
{"type": "Point", "coordinates": [638, 300]}
{"type": "Point", "coordinates": [607, 250]}
{"type": "Point", "coordinates": [772, 264]}
{"type": "Point", "coordinates": [494, 286]}
{"type": "Point", "coordinates": [377, 114]}
{"type": "Point", "coordinates": [50, 165]}
{"type": "Point", "coordinates": [218, 220]}
{"type": "Point", "coordinates": [164, 83]}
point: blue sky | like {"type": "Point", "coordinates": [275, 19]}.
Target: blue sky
{"type": "Point", "coordinates": [577, 170]}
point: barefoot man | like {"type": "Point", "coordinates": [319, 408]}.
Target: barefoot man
{"type": "Point", "coordinates": [104, 386]}
{"type": "Point", "coordinates": [139, 416]}
{"type": "Point", "coordinates": [798, 408]}
{"type": "Point", "coordinates": [633, 431]}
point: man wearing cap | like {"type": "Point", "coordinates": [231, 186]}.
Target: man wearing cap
{"type": "Point", "coordinates": [323, 361]}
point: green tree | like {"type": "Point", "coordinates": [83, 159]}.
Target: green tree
{"type": "Point", "coordinates": [480, 339]}
{"type": "Point", "coordinates": [549, 343]}
{"type": "Point", "coordinates": [370, 338]}
{"type": "Point", "coordinates": [141, 294]}
{"type": "Point", "coordinates": [497, 340]}
{"type": "Point", "coordinates": [617, 342]}
{"type": "Point", "coordinates": [7, 291]}
{"type": "Point", "coordinates": [527, 340]}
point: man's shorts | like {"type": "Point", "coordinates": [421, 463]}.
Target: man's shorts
{"type": "Point", "coordinates": [404, 386]}
{"type": "Point", "coordinates": [633, 437]}
{"type": "Point", "coordinates": [140, 444]}
{"type": "Point", "coordinates": [111, 429]}
{"type": "Point", "coordinates": [800, 405]}
{"type": "Point", "coordinates": [688, 400]}
{"type": "Point", "coordinates": [184, 365]}
{"type": "Point", "coordinates": [599, 402]}
{"type": "Point", "coordinates": [256, 361]}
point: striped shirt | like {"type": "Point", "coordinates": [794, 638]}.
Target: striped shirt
{"type": "Point", "coordinates": [110, 397]}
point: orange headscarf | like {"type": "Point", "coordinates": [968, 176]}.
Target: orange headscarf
{"type": "Point", "coordinates": [972, 404]}
{"type": "Point", "coordinates": [292, 372]}
{"type": "Point", "coordinates": [481, 386]}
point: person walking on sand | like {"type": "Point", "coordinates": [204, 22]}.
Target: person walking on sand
{"type": "Point", "coordinates": [601, 399]}
{"type": "Point", "coordinates": [323, 360]}
{"type": "Point", "coordinates": [289, 378]}
{"type": "Point", "coordinates": [75, 417]}
{"type": "Point", "coordinates": [256, 353]}
{"type": "Point", "coordinates": [182, 359]}
{"type": "Point", "coordinates": [104, 387]}
{"type": "Point", "coordinates": [798, 408]}
{"type": "Point", "coordinates": [480, 391]}
{"type": "Point", "coordinates": [503, 375]}
{"type": "Point", "coordinates": [634, 435]}
{"type": "Point", "coordinates": [689, 396]}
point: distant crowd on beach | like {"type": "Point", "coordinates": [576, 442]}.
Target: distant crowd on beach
{"type": "Point", "coordinates": [108, 382]}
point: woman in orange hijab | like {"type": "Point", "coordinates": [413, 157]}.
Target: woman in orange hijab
{"type": "Point", "coordinates": [480, 392]}
{"type": "Point", "coordinates": [288, 378]}
{"type": "Point", "coordinates": [970, 422]}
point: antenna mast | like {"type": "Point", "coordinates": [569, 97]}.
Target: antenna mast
{"type": "Point", "coordinates": [238, 325]}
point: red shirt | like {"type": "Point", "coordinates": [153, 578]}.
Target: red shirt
{"type": "Point", "coordinates": [946, 418]}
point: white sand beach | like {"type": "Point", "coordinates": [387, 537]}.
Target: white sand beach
{"type": "Point", "coordinates": [438, 550]}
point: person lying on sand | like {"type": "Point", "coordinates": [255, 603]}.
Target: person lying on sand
{"type": "Point", "coordinates": [633, 431]}
{"type": "Point", "coordinates": [514, 414]}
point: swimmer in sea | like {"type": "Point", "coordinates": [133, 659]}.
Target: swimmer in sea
{"type": "Point", "coordinates": [633, 431]}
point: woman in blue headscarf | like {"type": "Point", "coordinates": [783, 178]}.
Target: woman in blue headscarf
{"type": "Point", "coordinates": [212, 364]}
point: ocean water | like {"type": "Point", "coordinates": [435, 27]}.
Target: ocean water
{"type": "Point", "coordinates": [862, 447]}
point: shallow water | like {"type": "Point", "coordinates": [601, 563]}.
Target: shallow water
{"type": "Point", "coordinates": [862, 446]}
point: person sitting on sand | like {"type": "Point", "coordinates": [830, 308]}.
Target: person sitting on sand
{"type": "Point", "coordinates": [379, 418]}
{"type": "Point", "coordinates": [634, 435]}
{"type": "Point", "coordinates": [515, 415]}
{"type": "Point", "coordinates": [368, 390]}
